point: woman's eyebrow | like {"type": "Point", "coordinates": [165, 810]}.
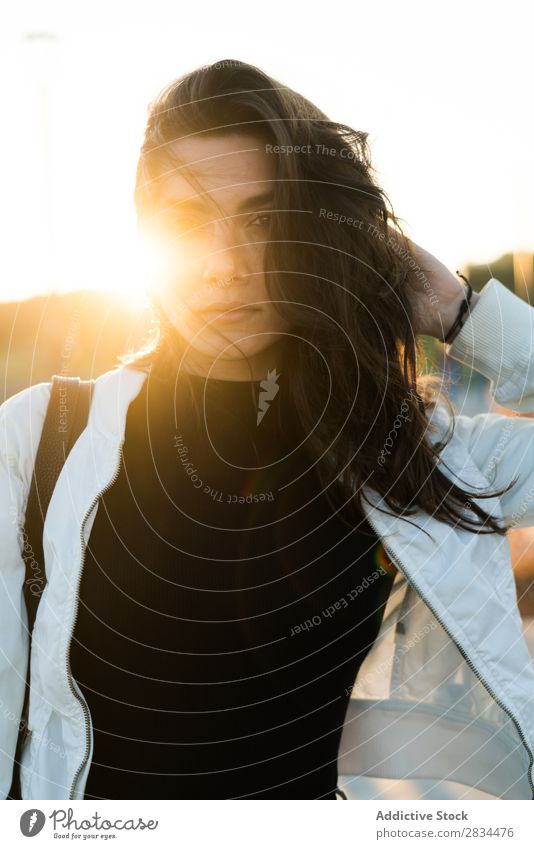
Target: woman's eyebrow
{"type": "Point", "coordinates": [249, 204]}
{"type": "Point", "coordinates": [256, 202]}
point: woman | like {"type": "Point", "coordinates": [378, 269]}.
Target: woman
{"type": "Point", "coordinates": [270, 565]}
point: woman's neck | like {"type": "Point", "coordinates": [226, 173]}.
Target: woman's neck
{"type": "Point", "coordinates": [254, 368]}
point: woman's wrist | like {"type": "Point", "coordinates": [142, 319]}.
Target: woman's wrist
{"type": "Point", "coordinates": [475, 296]}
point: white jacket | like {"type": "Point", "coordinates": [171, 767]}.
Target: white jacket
{"type": "Point", "coordinates": [447, 690]}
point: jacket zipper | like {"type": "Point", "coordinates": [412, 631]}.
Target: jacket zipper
{"type": "Point", "coordinates": [77, 603]}
{"type": "Point", "coordinates": [394, 556]}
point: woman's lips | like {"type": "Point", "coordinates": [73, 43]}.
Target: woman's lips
{"type": "Point", "coordinates": [229, 316]}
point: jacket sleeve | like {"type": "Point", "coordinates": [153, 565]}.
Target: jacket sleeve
{"type": "Point", "coordinates": [21, 422]}
{"type": "Point", "coordinates": [497, 340]}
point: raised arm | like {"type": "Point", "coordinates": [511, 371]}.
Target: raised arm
{"type": "Point", "coordinates": [497, 340]}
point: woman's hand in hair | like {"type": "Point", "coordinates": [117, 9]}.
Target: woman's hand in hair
{"type": "Point", "coordinates": [439, 295]}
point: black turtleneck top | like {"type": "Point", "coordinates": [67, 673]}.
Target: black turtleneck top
{"type": "Point", "coordinates": [222, 616]}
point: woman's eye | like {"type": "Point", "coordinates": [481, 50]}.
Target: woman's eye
{"type": "Point", "coordinates": [263, 220]}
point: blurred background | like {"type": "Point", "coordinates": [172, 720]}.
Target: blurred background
{"type": "Point", "coordinates": [444, 93]}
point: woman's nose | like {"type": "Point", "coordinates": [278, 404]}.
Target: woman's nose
{"type": "Point", "coordinates": [220, 260]}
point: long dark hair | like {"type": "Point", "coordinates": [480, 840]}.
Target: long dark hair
{"type": "Point", "coordinates": [338, 266]}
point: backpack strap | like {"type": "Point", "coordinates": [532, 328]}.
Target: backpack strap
{"type": "Point", "coordinates": [66, 417]}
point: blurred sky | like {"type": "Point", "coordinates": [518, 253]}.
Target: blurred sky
{"type": "Point", "coordinates": [444, 91]}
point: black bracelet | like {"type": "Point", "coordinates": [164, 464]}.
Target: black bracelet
{"type": "Point", "coordinates": [460, 319]}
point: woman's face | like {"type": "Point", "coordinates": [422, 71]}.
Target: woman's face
{"type": "Point", "coordinates": [214, 260]}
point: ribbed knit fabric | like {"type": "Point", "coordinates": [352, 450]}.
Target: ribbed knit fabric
{"type": "Point", "coordinates": [222, 616]}
{"type": "Point", "coordinates": [497, 340]}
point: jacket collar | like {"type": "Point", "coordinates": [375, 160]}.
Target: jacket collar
{"type": "Point", "coordinates": [117, 388]}
{"type": "Point", "coordinates": [113, 392]}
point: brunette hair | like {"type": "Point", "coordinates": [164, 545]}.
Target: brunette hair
{"type": "Point", "coordinates": [339, 268]}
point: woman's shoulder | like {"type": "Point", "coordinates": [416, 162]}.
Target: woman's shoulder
{"type": "Point", "coordinates": [21, 420]}
{"type": "Point", "coordinates": [22, 415]}
{"type": "Point", "coordinates": [113, 392]}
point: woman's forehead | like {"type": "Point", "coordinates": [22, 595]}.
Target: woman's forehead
{"type": "Point", "coordinates": [233, 167]}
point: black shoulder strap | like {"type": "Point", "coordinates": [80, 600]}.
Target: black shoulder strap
{"type": "Point", "coordinates": [66, 417]}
